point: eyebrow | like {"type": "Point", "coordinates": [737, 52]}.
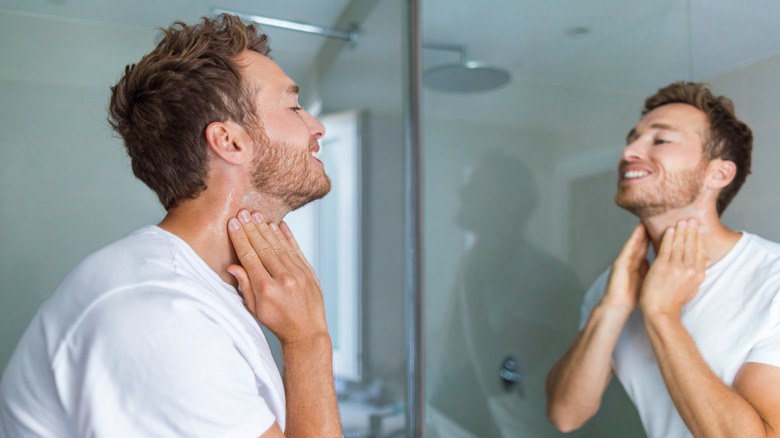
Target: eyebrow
{"type": "Point", "coordinates": [293, 89]}
{"type": "Point", "coordinates": [632, 134]}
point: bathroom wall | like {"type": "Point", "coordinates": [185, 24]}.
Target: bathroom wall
{"type": "Point", "coordinates": [66, 187]}
{"type": "Point", "coordinates": [756, 95]}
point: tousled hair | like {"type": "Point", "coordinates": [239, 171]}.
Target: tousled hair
{"type": "Point", "coordinates": [162, 105]}
{"type": "Point", "coordinates": [726, 138]}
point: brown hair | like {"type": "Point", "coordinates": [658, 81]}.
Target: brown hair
{"type": "Point", "coordinates": [162, 105]}
{"type": "Point", "coordinates": [727, 138]}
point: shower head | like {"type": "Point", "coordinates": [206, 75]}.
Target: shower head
{"type": "Point", "coordinates": [465, 76]}
{"type": "Point", "coordinates": [471, 77]}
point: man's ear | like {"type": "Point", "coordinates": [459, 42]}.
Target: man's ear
{"type": "Point", "coordinates": [721, 173]}
{"type": "Point", "coordinates": [229, 141]}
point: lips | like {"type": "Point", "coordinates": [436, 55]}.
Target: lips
{"type": "Point", "coordinates": [314, 148]}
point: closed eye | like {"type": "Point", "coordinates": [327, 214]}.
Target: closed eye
{"type": "Point", "coordinates": [296, 108]}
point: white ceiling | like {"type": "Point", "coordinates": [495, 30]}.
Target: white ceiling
{"type": "Point", "coordinates": [633, 47]}
{"type": "Point", "coordinates": [295, 50]}
{"type": "Point", "coordinates": [529, 37]}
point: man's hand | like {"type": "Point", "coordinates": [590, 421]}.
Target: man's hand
{"type": "Point", "coordinates": [278, 284]}
{"type": "Point", "coordinates": [577, 381]}
{"type": "Point", "coordinates": [281, 290]}
{"type": "Point", "coordinates": [677, 272]}
{"type": "Point", "coordinates": [628, 272]}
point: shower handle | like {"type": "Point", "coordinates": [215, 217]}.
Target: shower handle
{"type": "Point", "coordinates": [511, 375]}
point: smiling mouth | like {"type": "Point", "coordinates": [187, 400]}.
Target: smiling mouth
{"type": "Point", "coordinates": [635, 174]}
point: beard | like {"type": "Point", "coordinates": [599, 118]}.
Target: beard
{"type": "Point", "coordinates": [285, 171]}
{"type": "Point", "coordinates": [676, 190]}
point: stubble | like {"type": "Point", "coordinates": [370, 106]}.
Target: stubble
{"type": "Point", "coordinates": [286, 172]}
{"type": "Point", "coordinates": [676, 190]}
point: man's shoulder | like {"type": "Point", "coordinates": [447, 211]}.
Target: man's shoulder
{"type": "Point", "coordinates": [148, 254]}
{"type": "Point", "coordinates": [136, 275]}
{"type": "Point", "coordinates": [760, 243]}
{"type": "Point", "coordinates": [146, 243]}
{"type": "Point", "coordinates": [144, 286]}
{"type": "Point", "coordinates": [756, 253]}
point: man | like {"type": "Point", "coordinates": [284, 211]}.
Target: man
{"type": "Point", "coordinates": [149, 336]}
{"type": "Point", "coordinates": [695, 337]}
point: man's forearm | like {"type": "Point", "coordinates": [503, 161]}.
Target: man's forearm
{"type": "Point", "coordinates": [578, 380]}
{"type": "Point", "coordinates": [312, 409]}
{"type": "Point", "coordinates": [708, 406]}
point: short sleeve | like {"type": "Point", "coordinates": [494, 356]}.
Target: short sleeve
{"type": "Point", "coordinates": [593, 296]}
{"type": "Point", "coordinates": [158, 363]}
{"type": "Point", "coordinates": [767, 349]}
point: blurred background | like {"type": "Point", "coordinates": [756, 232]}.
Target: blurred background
{"type": "Point", "coordinates": [525, 108]}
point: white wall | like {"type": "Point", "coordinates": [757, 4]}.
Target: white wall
{"type": "Point", "coordinates": [66, 187]}
{"type": "Point", "coordinates": [756, 94]}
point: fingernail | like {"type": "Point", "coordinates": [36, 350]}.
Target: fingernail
{"type": "Point", "coordinates": [682, 224]}
{"type": "Point", "coordinates": [233, 224]}
{"type": "Point", "coordinates": [703, 229]}
{"type": "Point", "coordinates": [692, 223]}
{"type": "Point", "coordinates": [257, 217]}
{"type": "Point", "coordinates": [244, 216]}
{"type": "Point", "coordinates": [273, 226]}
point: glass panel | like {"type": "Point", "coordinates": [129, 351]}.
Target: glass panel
{"type": "Point", "coordinates": [368, 79]}
{"type": "Point", "coordinates": [519, 181]}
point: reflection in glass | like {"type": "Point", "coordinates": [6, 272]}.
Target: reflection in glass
{"type": "Point", "coordinates": [510, 315]}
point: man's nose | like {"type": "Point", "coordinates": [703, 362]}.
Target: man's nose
{"type": "Point", "coordinates": [634, 150]}
{"type": "Point", "coordinates": [316, 128]}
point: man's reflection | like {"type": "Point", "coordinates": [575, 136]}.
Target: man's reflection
{"type": "Point", "coordinates": [514, 308]}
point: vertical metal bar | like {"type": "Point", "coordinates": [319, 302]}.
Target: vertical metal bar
{"type": "Point", "coordinates": [415, 407]}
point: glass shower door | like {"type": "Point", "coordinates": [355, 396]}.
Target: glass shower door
{"type": "Point", "coordinates": [518, 181]}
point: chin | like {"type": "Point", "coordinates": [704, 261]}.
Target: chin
{"type": "Point", "coordinates": [303, 197]}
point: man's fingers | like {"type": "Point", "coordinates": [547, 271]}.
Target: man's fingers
{"type": "Point", "coordinates": [271, 252]}
{"type": "Point", "coordinates": [283, 241]}
{"type": "Point", "coordinates": [245, 251]}
{"type": "Point", "coordinates": [250, 225]}
{"type": "Point", "coordinates": [644, 267]}
{"type": "Point", "coordinates": [664, 252]}
{"type": "Point", "coordinates": [690, 254]}
{"type": "Point", "coordinates": [295, 248]}
{"type": "Point", "coordinates": [701, 254]}
{"type": "Point", "coordinates": [681, 235]}
{"type": "Point", "coordinates": [245, 285]}
{"type": "Point", "coordinates": [289, 235]}
{"type": "Point", "coordinates": [635, 248]}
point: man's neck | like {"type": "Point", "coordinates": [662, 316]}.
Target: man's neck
{"type": "Point", "coordinates": [718, 240]}
{"type": "Point", "coordinates": [202, 224]}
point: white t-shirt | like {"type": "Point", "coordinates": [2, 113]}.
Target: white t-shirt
{"type": "Point", "coordinates": [734, 319]}
{"type": "Point", "coordinates": [142, 339]}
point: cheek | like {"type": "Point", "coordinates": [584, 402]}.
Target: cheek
{"type": "Point", "coordinates": [285, 128]}
{"type": "Point", "coordinates": [674, 159]}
